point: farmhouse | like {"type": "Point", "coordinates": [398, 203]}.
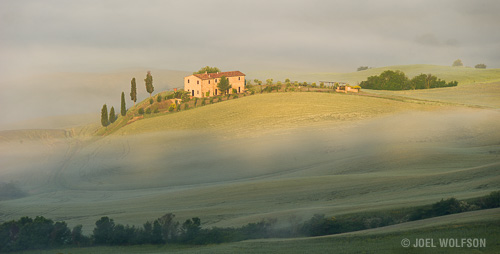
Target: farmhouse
{"type": "Point", "coordinates": [205, 84]}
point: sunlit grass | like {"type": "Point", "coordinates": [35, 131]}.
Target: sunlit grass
{"type": "Point", "coordinates": [261, 113]}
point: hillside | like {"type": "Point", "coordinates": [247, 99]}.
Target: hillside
{"type": "Point", "coordinates": [274, 155]}
{"type": "Point", "coordinates": [476, 95]}
{"type": "Point", "coordinates": [268, 112]}
{"type": "Point", "coordinates": [464, 75]}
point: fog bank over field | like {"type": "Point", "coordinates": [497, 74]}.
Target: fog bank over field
{"type": "Point", "coordinates": [422, 155]}
{"type": "Point", "coordinates": [177, 158]}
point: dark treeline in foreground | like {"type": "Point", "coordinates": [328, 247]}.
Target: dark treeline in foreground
{"type": "Point", "coordinates": [397, 80]}
{"type": "Point", "coordinates": [42, 233]}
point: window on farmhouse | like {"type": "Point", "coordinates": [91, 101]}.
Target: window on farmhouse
{"type": "Point", "coordinates": [215, 80]}
{"type": "Point", "coordinates": [188, 81]}
{"type": "Point", "coordinates": [197, 82]}
{"type": "Point", "coordinates": [209, 82]}
{"type": "Point", "coordinates": [239, 78]}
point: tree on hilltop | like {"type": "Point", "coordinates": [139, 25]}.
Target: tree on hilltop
{"type": "Point", "coordinates": [123, 107]}
{"type": "Point", "coordinates": [480, 66]}
{"type": "Point", "coordinates": [207, 69]}
{"type": "Point", "coordinates": [104, 116]}
{"type": "Point", "coordinates": [133, 91]}
{"type": "Point", "coordinates": [457, 63]}
{"type": "Point", "coordinates": [149, 83]}
{"type": "Point", "coordinates": [224, 85]}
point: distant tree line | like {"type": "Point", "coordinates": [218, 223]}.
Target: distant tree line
{"type": "Point", "coordinates": [397, 80]}
{"type": "Point", "coordinates": [42, 233]}
{"type": "Point", "coordinates": [320, 225]}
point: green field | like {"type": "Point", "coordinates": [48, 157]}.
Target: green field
{"type": "Point", "coordinates": [279, 155]}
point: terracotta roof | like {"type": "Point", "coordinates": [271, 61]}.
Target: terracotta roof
{"type": "Point", "coordinates": [219, 74]}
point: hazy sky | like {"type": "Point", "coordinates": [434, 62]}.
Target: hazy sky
{"type": "Point", "coordinates": [326, 36]}
{"type": "Point", "coordinates": [184, 35]}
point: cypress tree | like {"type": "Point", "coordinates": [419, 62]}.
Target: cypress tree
{"type": "Point", "coordinates": [123, 108]}
{"type": "Point", "coordinates": [112, 115]}
{"type": "Point", "coordinates": [149, 83]}
{"type": "Point", "coordinates": [133, 91]}
{"type": "Point", "coordinates": [104, 116]}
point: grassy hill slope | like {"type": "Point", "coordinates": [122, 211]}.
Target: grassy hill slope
{"type": "Point", "coordinates": [479, 95]}
{"type": "Point", "coordinates": [268, 156]}
{"type": "Point", "coordinates": [277, 111]}
{"type": "Point", "coordinates": [464, 75]}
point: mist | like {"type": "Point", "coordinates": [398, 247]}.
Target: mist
{"type": "Point", "coordinates": [190, 158]}
{"type": "Point", "coordinates": [231, 181]}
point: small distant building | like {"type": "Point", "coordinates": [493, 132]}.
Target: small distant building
{"type": "Point", "coordinates": [205, 84]}
{"type": "Point", "coordinates": [344, 88]}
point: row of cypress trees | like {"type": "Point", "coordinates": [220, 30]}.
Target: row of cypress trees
{"type": "Point", "coordinates": [105, 120]}
{"type": "Point", "coordinates": [111, 118]}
